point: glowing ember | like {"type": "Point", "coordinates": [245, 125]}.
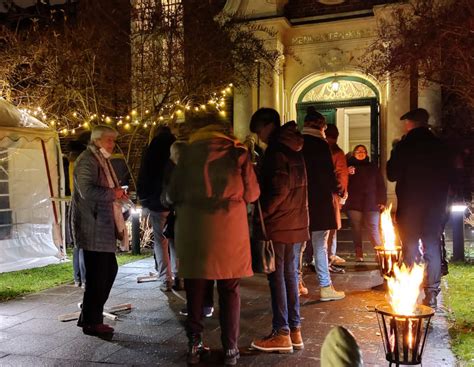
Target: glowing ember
{"type": "Point", "coordinates": [388, 231]}
{"type": "Point", "coordinates": [404, 288]}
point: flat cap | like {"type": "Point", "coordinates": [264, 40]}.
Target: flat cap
{"type": "Point", "coordinates": [418, 115]}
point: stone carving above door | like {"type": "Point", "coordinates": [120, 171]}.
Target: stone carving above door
{"type": "Point", "coordinates": [338, 89]}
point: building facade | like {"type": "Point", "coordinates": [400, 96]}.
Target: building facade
{"type": "Point", "coordinates": [323, 42]}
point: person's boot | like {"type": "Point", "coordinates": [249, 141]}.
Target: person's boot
{"type": "Point", "coordinates": [196, 349]}
{"type": "Point", "coordinates": [231, 356]}
{"type": "Point", "coordinates": [296, 338]}
{"type": "Point", "coordinates": [330, 294]}
{"type": "Point", "coordinates": [430, 299]}
{"type": "Point", "coordinates": [277, 341]}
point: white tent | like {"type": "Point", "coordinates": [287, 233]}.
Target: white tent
{"type": "Point", "coordinates": [30, 176]}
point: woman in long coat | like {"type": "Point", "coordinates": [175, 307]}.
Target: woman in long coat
{"type": "Point", "coordinates": [210, 188]}
{"type": "Point", "coordinates": [97, 224]}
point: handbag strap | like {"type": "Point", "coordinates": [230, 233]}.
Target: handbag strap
{"type": "Point", "coordinates": [262, 223]}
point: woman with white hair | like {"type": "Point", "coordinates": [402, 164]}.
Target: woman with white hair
{"type": "Point", "coordinates": [97, 224]}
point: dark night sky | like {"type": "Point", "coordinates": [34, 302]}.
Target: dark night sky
{"type": "Point", "coordinates": [24, 3]}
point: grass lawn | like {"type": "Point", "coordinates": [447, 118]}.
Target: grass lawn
{"type": "Point", "coordinates": [459, 298]}
{"type": "Point", "coordinates": [18, 283]}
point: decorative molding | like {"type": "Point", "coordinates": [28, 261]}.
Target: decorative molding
{"type": "Point", "coordinates": [333, 36]}
{"type": "Point", "coordinates": [348, 89]}
{"type": "Point", "coordinates": [331, 2]}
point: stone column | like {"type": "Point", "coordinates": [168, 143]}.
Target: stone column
{"type": "Point", "coordinates": [242, 112]}
{"type": "Point", "coordinates": [429, 98]}
{"type": "Point", "coordinates": [396, 103]}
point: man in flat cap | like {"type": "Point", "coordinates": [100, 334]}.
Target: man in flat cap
{"type": "Point", "coordinates": [421, 165]}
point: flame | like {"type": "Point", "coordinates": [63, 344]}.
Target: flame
{"type": "Point", "coordinates": [388, 231]}
{"type": "Point", "coordinates": [410, 333]}
{"type": "Point", "coordinates": [404, 288]}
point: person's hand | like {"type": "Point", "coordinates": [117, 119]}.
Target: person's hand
{"type": "Point", "coordinates": [351, 170]}
{"type": "Point", "coordinates": [120, 193]}
{"type": "Point", "coordinates": [381, 207]}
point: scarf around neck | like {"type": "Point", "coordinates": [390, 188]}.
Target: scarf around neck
{"type": "Point", "coordinates": [112, 182]}
{"type": "Point", "coordinates": [314, 132]}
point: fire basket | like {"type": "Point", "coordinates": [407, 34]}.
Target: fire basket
{"type": "Point", "coordinates": [386, 259]}
{"type": "Point", "coordinates": [403, 336]}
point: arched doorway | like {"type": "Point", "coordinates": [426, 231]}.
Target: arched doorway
{"type": "Point", "coordinates": [351, 102]}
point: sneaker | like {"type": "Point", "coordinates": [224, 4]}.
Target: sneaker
{"type": "Point", "coordinates": [277, 341]}
{"type": "Point", "coordinates": [359, 259]}
{"type": "Point", "coordinates": [302, 290]}
{"type": "Point", "coordinates": [208, 311]}
{"type": "Point", "coordinates": [336, 260]}
{"type": "Point", "coordinates": [296, 339]}
{"type": "Point", "coordinates": [330, 294]}
{"type": "Point", "coordinates": [231, 357]}
{"type": "Point", "coordinates": [196, 349]}
{"type": "Point", "coordinates": [77, 284]}
{"type": "Point", "coordinates": [336, 269]}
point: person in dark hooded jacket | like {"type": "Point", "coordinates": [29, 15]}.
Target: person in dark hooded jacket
{"type": "Point", "coordinates": [284, 205]}
{"type": "Point", "coordinates": [323, 198]}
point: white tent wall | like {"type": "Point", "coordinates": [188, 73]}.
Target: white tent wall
{"type": "Point", "coordinates": [27, 216]}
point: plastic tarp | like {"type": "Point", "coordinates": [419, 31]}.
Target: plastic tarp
{"type": "Point", "coordinates": [27, 219]}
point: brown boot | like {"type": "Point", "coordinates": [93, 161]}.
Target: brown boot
{"type": "Point", "coordinates": [296, 339]}
{"type": "Point", "coordinates": [277, 341]}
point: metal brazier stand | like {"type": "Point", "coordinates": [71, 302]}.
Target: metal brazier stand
{"type": "Point", "coordinates": [403, 336]}
{"type": "Point", "coordinates": [386, 259]}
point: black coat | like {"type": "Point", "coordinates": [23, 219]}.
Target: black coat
{"type": "Point", "coordinates": [283, 188]}
{"type": "Point", "coordinates": [422, 166]}
{"type": "Point", "coordinates": [150, 177]}
{"type": "Point", "coordinates": [322, 185]}
{"type": "Point", "coordinates": [366, 187]}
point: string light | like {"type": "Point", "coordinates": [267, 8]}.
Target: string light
{"type": "Point", "coordinates": [168, 111]}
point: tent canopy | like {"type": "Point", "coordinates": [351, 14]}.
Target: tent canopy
{"type": "Point", "coordinates": [30, 172]}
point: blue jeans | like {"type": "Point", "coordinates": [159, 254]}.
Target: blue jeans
{"type": "Point", "coordinates": [320, 251]}
{"type": "Point", "coordinates": [163, 248]}
{"type": "Point", "coordinates": [371, 220]}
{"type": "Point", "coordinates": [284, 287]}
{"type": "Point", "coordinates": [78, 266]}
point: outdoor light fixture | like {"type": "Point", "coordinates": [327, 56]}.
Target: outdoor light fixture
{"type": "Point", "coordinates": [335, 85]}
{"type": "Point", "coordinates": [136, 211]}
{"type": "Point", "coordinates": [458, 208]}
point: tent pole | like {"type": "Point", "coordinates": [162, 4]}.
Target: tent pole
{"type": "Point", "coordinates": [51, 192]}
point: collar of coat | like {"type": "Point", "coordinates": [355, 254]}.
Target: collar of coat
{"type": "Point", "coordinates": [212, 132]}
{"type": "Point", "coordinates": [314, 132]}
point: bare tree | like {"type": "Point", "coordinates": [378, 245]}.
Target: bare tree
{"type": "Point", "coordinates": [433, 40]}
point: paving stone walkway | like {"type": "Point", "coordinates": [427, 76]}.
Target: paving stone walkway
{"type": "Point", "coordinates": [152, 333]}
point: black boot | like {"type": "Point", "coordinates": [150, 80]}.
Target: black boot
{"type": "Point", "coordinates": [196, 349]}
